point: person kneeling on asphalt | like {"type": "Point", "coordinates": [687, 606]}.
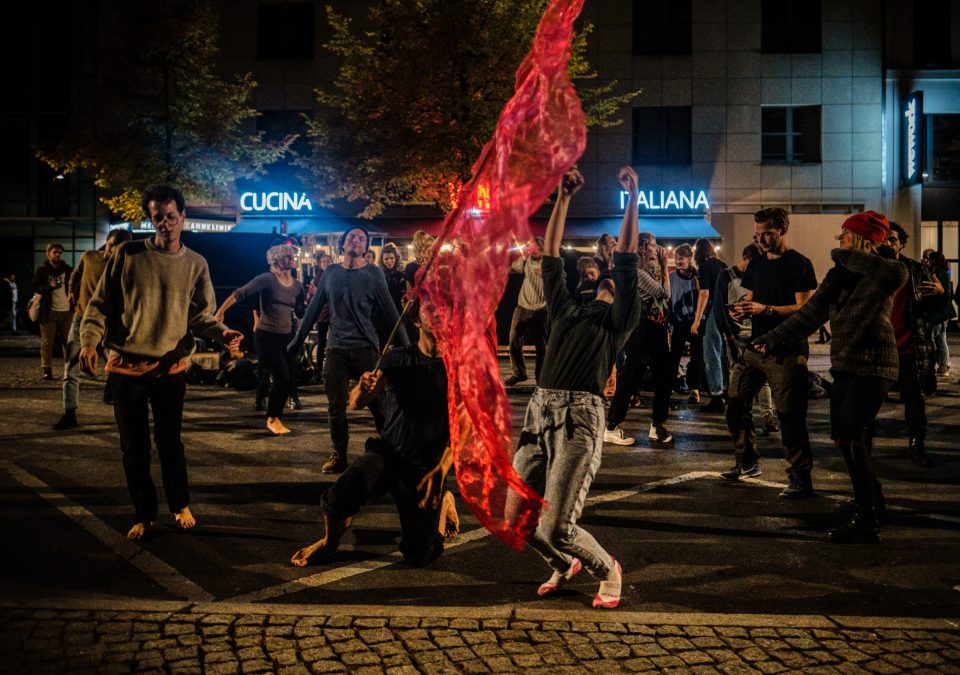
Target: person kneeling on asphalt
{"type": "Point", "coordinates": [410, 460]}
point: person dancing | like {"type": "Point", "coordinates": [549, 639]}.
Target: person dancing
{"type": "Point", "coordinates": [856, 296]}
{"type": "Point", "coordinates": [281, 296]}
{"type": "Point", "coordinates": [562, 437]}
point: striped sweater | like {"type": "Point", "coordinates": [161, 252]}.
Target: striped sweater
{"type": "Point", "coordinates": [856, 297]}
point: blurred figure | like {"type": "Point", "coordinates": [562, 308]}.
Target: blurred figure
{"type": "Point", "coordinates": [393, 271]}
{"type": "Point", "coordinates": [50, 282]}
{"type": "Point", "coordinates": [371, 258]}
{"type": "Point", "coordinates": [604, 255]}
{"type": "Point", "coordinates": [941, 310]}
{"type": "Point", "coordinates": [709, 269]}
{"type": "Point", "coordinates": [9, 296]}
{"type": "Point", "coordinates": [530, 315]}
{"type": "Point", "coordinates": [684, 301]}
{"type": "Point", "coordinates": [589, 273]}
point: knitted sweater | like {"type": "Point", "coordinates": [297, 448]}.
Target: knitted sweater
{"type": "Point", "coordinates": [150, 303]}
{"type": "Point", "coordinates": [856, 297]}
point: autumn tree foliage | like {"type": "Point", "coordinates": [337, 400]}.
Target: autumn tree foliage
{"type": "Point", "coordinates": [419, 93]}
{"type": "Point", "coordinates": [162, 113]}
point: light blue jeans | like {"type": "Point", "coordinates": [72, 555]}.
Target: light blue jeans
{"type": "Point", "coordinates": [938, 332]}
{"type": "Point", "coordinates": [713, 357]}
{"type": "Point", "coordinates": [558, 456]}
{"type": "Point", "coordinates": [71, 367]}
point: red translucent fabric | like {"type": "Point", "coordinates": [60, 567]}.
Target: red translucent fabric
{"type": "Point", "coordinates": [540, 134]}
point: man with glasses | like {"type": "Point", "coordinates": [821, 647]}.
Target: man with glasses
{"type": "Point", "coordinates": [154, 296]}
{"type": "Point", "coordinates": [361, 314]}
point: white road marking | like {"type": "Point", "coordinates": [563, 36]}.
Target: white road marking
{"type": "Point", "coordinates": [165, 575]}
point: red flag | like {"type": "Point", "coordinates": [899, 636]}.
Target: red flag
{"type": "Point", "coordinates": [540, 134]}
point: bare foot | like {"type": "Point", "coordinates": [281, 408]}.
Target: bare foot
{"type": "Point", "coordinates": [184, 518]}
{"type": "Point", "coordinates": [302, 557]}
{"type": "Point", "coordinates": [449, 519]}
{"type": "Point", "coordinates": [276, 426]}
{"type": "Point", "coordinates": [139, 530]}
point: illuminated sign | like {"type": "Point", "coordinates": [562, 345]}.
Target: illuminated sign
{"type": "Point", "coordinates": [258, 202]}
{"type": "Point", "coordinates": [913, 138]}
{"type": "Point", "coordinates": [669, 201]}
{"type": "Point", "coordinates": [188, 224]}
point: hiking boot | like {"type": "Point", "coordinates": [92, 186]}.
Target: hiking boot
{"type": "Point", "coordinates": [740, 471]}
{"type": "Point", "coordinates": [514, 380]}
{"type": "Point", "coordinates": [798, 488]}
{"type": "Point", "coordinates": [863, 528]}
{"type": "Point", "coordinates": [68, 421]}
{"type": "Point", "coordinates": [617, 437]}
{"type": "Point", "coordinates": [659, 434]}
{"type": "Point", "coordinates": [336, 464]}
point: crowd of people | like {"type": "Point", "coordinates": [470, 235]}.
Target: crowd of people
{"type": "Point", "coordinates": [621, 325]}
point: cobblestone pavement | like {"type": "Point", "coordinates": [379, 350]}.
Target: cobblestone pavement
{"type": "Point", "coordinates": [218, 638]}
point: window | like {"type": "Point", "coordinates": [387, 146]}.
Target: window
{"type": "Point", "coordinates": [661, 135]}
{"type": "Point", "coordinates": [931, 34]}
{"type": "Point", "coordinates": [790, 135]}
{"type": "Point", "coordinates": [944, 152]}
{"type": "Point", "coordinates": [790, 27]}
{"type": "Point", "coordinates": [285, 31]}
{"type": "Point", "coordinates": [15, 154]}
{"type": "Point", "coordinates": [662, 27]}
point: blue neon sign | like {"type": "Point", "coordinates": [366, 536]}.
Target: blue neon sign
{"type": "Point", "coordinates": [275, 202]}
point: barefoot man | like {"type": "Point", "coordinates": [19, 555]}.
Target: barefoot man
{"type": "Point", "coordinates": [154, 296]}
{"type": "Point", "coordinates": [410, 460]}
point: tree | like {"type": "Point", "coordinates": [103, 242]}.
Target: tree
{"type": "Point", "coordinates": [414, 102]}
{"type": "Point", "coordinates": [162, 114]}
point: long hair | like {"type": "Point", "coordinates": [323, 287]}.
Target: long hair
{"type": "Point", "coordinates": [863, 244]}
{"type": "Point", "coordinates": [391, 248]}
{"type": "Point", "coordinates": [703, 251]}
{"type": "Point", "coordinates": [650, 263]}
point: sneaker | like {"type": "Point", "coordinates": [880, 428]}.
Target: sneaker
{"type": "Point", "coordinates": [556, 580]}
{"type": "Point", "coordinates": [716, 405]}
{"type": "Point", "coordinates": [798, 488]}
{"type": "Point", "coordinates": [617, 437]}
{"type": "Point", "coordinates": [740, 471]}
{"type": "Point", "coordinates": [68, 421]}
{"type": "Point", "coordinates": [771, 424]}
{"type": "Point", "coordinates": [514, 380]}
{"type": "Point", "coordinates": [294, 403]}
{"type": "Point", "coordinates": [608, 597]}
{"type": "Point", "coordinates": [335, 464]}
{"type": "Point", "coordinates": [659, 434]}
{"type": "Point", "coordinates": [694, 396]}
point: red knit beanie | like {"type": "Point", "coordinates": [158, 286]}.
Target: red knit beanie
{"type": "Point", "coordinates": [869, 225]}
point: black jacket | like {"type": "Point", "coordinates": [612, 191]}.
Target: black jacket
{"type": "Point", "coordinates": [41, 285]}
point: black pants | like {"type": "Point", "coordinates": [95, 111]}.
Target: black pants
{"type": "Point", "coordinates": [372, 475]}
{"type": "Point", "coordinates": [132, 397]}
{"type": "Point", "coordinates": [787, 376]}
{"type": "Point", "coordinates": [915, 408]}
{"type": "Point", "coordinates": [339, 366]}
{"type": "Point", "coordinates": [533, 324]}
{"type": "Point", "coordinates": [681, 334]}
{"type": "Point", "coordinates": [647, 344]}
{"type": "Point", "coordinates": [282, 368]}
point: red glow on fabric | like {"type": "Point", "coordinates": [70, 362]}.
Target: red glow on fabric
{"type": "Point", "coordinates": [540, 134]}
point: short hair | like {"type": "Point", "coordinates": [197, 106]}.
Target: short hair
{"type": "Point", "coordinates": [119, 235]}
{"type": "Point", "coordinates": [343, 237]}
{"type": "Point", "coordinates": [751, 252]}
{"type": "Point", "coordinates": [54, 244]}
{"type": "Point", "coordinates": [585, 262]}
{"type": "Point", "coordinates": [274, 253]}
{"type": "Point", "coordinates": [683, 251]}
{"type": "Point", "coordinates": [777, 215]}
{"type": "Point", "coordinates": [161, 194]}
{"type": "Point", "coordinates": [901, 233]}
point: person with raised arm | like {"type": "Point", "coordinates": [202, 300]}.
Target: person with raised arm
{"type": "Point", "coordinates": [562, 438]}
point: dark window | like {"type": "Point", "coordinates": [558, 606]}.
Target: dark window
{"type": "Point", "coordinates": [790, 135]}
{"type": "Point", "coordinates": [278, 124]}
{"type": "Point", "coordinates": [944, 148]}
{"type": "Point", "coordinates": [661, 135]}
{"type": "Point", "coordinates": [931, 34]}
{"type": "Point", "coordinates": [15, 155]}
{"type": "Point", "coordinates": [790, 27]}
{"type": "Point", "coordinates": [285, 30]}
{"type": "Point", "coordinates": [661, 27]}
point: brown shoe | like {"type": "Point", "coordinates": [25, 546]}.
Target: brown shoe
{"type": "Point", "coordinates": [336, 464]}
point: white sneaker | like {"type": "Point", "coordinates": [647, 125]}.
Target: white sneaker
{"type": "Point", "coordinates": [659, 434]}
{"type": "Point", "coordinates": [617, 437]}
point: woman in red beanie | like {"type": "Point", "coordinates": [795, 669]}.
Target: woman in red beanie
{"type": "Point", "coordinates": [856, 297]}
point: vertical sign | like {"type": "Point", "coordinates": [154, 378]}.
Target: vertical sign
{"type": "Point", "coordinates": [913, 138]}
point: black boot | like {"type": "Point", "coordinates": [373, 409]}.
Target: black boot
{"type": "Point", "coordinates": [917, 451]}
{"type": "Point", "coordinates": [863, 528]}
{"type": "Point", "coordinates": [68, 421]}
{"type": "Point", "coordinates": [335, 464]}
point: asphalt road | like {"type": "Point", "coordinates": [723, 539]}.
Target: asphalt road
{"type": "Point", "coordinates": [688, 542]}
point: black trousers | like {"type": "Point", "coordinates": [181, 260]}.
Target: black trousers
{"type": "Point", "coordinates": [372, 475]}
{"type": "Point", "coordinates": [133, 397]}
{"type": "Point", "coordinates": [915, 408]}
{"type": "Point", "coordinates": [339, 367]}
{"type": "Point", "coordinates": [533, 324]}
{"type": "Point", "coordinates": [695, 367]}
{"type": "Point", "coordinates": [282, 368]}
{"type": "Point", "coordinates": [647, 344]}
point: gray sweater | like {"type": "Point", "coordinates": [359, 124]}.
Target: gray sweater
{"type": "Point", "coordinates": [856, 297]}
{"type": "Point", "coordinates": [150, 303]}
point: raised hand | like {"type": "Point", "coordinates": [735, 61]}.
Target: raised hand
{"type": "Point", "coordinates": [628, 179]}
{"type": "Point", "coordinates": [571, 182]}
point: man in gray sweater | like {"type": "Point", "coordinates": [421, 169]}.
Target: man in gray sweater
{"type": "Point", "coordinates": [154, 296]}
